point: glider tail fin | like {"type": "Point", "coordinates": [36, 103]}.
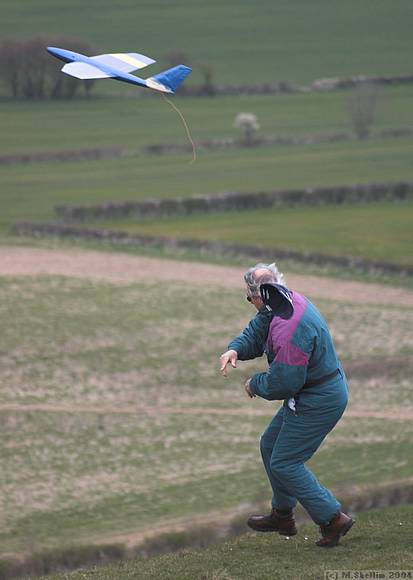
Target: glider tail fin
{"type": "Point", "coordinates": [172, 78]}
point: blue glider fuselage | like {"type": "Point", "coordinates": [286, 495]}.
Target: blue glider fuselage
{"type": "Point", "coordinates": [167, 81]}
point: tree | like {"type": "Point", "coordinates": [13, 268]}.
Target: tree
{"type": "Point", "coordinates": [248, 123]}
{"type": "Point", "coordinates": [10, 70]}
{"type": "Point", "coordinates": [175, 57]}
{"type": "Point", "coordinates": [31, 73]}
{"type": "Point", "coordinates": [208, 85]}
{"type": "Point", "coordinates": [363, 107]}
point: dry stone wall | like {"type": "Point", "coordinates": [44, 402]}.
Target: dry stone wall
{"type": "Point", "coordinates": [232, 201]}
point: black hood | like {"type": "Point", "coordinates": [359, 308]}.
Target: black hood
{"type": "Point", "coordinates": [278, 299]}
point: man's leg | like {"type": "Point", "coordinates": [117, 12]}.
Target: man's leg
{"type": "Point", "coordinates": [298, 439]}
{"type": "Point", "coordinates": [281, 518]}
{"type": "Point", "coordinates": [281, 498]}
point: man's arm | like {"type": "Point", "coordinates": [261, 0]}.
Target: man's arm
{"type": "Point", "coordinates": [252, 340]}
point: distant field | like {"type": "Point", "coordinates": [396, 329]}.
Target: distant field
{"type": "Point", "coordinates": [31, 191]}
{"type": "Point", "coordinates": [380, 231]}
{"type": "Point", "coordinates": [104, 366]}
{"type": "Point", "coordinates": [244, 42]}
{"type": "Point", "coordinates": [132, 122]}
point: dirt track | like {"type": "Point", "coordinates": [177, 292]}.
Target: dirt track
{"type": "Point", "coordinates": [123, 269]}
{"type": "Point", "coordinates": [393, 415]}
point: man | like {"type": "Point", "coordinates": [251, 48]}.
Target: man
{"type": "Point", "coordinates": [305, 372]}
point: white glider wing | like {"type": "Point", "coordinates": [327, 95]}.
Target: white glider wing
{"type": "Point", "coordinates": [83, 70]}
{"type": "Point", "coordinates": [125, 62]}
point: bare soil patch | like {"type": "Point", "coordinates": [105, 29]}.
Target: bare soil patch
{"type": "Point", "coordinates": [395, 414]}
{"type": "Point", "coordinates": [126, 269]}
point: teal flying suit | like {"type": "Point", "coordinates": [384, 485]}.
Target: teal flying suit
{"type": "Point", "coordinates": [304, 371]}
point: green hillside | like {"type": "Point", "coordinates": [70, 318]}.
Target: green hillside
{"type": "Point", "coordinates": [243, 41]}
{"type": "Point", "coordinates": [381, 231]}
{"type": "Point", "coordinates": [31, 191]}
{"type": "Point", "coordinates": [49, 126]}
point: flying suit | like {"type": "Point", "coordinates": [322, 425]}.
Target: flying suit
{"type": "Point", "coordinates": [304, 371]}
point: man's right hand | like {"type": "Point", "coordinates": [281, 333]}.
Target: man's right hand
{"type": "Point", "coordinates": [229, 357]}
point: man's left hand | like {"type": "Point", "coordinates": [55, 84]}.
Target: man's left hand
{"type": "Point", "coordinates": [248, 389]}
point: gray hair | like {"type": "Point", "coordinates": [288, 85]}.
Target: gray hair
{"type": "Point", "coordinates": [270, 274]}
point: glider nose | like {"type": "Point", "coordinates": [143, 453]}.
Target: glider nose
{"type": "Point", "coordinates": [53, 50]}
{"type": "Point", "coordinates": [61, 53]}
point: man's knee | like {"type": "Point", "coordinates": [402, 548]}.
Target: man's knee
{"type": "Point", "coordinates": [282, 467]}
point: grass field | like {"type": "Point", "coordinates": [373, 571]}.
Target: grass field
{"type": "Point", "coordinates": [370, 545]}
{"type": "Point", "coordinates": [122, 430]}
{"type": "Point", "coordinates": [113, 418]}
{"type": "Point", "coordinates": [381, 231]}
{"type": "Point", "coordinates": [31, 191]}
{"type": "Point", "coordinates": [243, 42]}
{"type": "Point", "coordinates": [130, 122]}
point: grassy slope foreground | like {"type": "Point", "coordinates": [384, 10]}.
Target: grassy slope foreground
{"type": "Point", "coordinates": [380, 540]}
{"type": "Point", "coordinates": [123, 422]}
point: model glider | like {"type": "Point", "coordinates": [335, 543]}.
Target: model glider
{"type": "Point", "coordinates": [118, 67]}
